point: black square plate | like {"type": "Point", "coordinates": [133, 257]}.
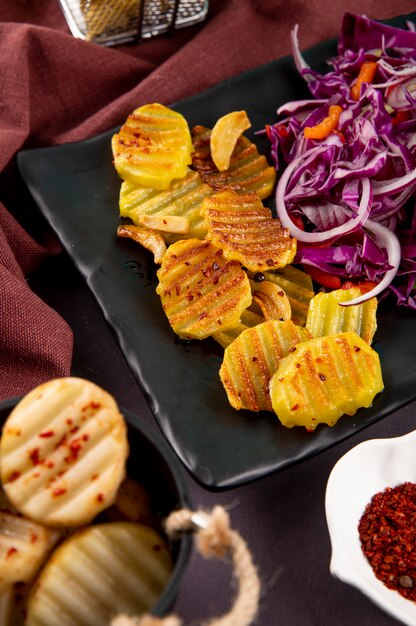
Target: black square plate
{"type": "Point", "coordinates": [76, 188]}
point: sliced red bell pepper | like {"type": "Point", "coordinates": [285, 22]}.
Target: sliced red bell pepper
{"type": "Point", "coordinates": [331, 281]}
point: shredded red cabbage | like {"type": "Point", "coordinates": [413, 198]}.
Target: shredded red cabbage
{"type": "Point", "coordinates": [349, 196]}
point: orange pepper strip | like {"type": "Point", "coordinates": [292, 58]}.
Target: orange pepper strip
{"type": "Point", "coordinates": [366, 75]}
{"type": "Point", "coordinates": [326, 127]}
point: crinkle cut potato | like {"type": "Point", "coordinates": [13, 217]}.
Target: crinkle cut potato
{"type": "Point", "coordinates": [153, 147]}
{"type": "Point", "coordinates": [63, 452]}
{"type": "Point", "coordinates": [24, 546]}
{"type": "Point", "coordinates": [246, 231]}
{"type": "Point", "coordinates": [325, 378]}
{"type": "Point", "coordinates": [327, 317]}
{"type": "Point", "coordinates": [183, 198]}
{"type": "Point", "coordinates": [201, 292]}
{"type": "Point", "coordinates": [100, 572]}
{"type": "Point", "coordinates": [248, 171]}
{"type": "Point", "coordinates": [251, 360]}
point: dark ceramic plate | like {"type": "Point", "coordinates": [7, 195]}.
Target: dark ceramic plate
{"type": "Point", "coordinates": [77, 189]}
{"type": "Point", "coordinates": [158, 470]}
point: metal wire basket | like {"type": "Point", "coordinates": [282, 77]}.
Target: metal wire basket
{"type": "Point", "coordinates": [112, 22]}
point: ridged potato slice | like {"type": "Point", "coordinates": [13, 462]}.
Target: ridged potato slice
{"type": "Point", "coordinates": [248, 170]}
{"type": "Point", "coordinates": [100, 572]}
{"type": "Point", "coordinates": [251, 360]}
{"type": "Point", "coordinates": [325, 378]}
{"type": "Point", "coordinates": [224, 136]}
{"type": "Point", "coordinates": [246, 231]}
{"type": "Point", "coordinates": [63, 452]}
{"type": "Point", "coordinates": [183, 198]}
{"type": "Point", "coordinates": [24, 546]}
{"type": "Point", "coordinates": [201, 292]}
{"type": "Point", "coordinates": [153, 147]}
{"type": "Point", "coordinates": [327, 317]}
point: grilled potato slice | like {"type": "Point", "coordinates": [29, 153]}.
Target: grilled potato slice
{"type": "Point", "coordinates": [153, 147]}
{"type": "Point", "coordinates": [224, 136]}
{"type": "Point", "coordinates": [24, 546]}
{"type": "Point", "coordinates": [201, 292]}
{"type": "Point", "coordinates": [327, 317]}
{"type": "Point", "coordinates": [296, 284]}
{"type": "Point", "coordinates": [248, 171]}
{"type": "Point", "coordinates": [99, 572]}
{"type": "Point", "coordinates": [63, 452]}
{"type": "Point", "coordinates": [325, 378]}
{"type": "Point", "coordinates": [251, 360]}
{"type": "Point", "coordinates": [147, 238]}
{"type": "Point", "coordinates": [183, 198]}
{"type": "Point", "coordinates": [246, 231]}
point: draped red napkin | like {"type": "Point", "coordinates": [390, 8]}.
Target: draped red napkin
{"type": "Point", "coordinates": [55, 89]}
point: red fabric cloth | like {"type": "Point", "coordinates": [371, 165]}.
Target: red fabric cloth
{"type": "Point", "coordinates": [56, 89]}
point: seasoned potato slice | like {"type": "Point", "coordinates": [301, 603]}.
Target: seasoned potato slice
{"type": "Point", "coordinates": [246, 231]}
{"type": "Point", "coordinates": [24, 546]}
{"type": "Point", "coordinates": [99, 572]}
{"type": "Point", "coordinates": [252, 359]}
{"type": "Point", "coordinates": [327, 317]}
{"type": "Point", "coordinates": [183, 199]}
{"type": "Point", "coordinates": [201, 292]}
{"type": "Point", "coordinates": [248, 171]}
{"type": "Point", "coordinates": [63, 452]}
{"type": "Point", "coordinates": [325, 378]}
{"type": "Point", "coordinates": [153, 147]}
{"type": "Point", "coordinates": [224, 136]}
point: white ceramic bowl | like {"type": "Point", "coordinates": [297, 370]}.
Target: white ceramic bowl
{"type": "Point", "coordinates": [365, 470]}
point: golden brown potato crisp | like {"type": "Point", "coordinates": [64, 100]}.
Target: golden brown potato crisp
{"type": "Point", "coordinates": [246, 231]}
{"type": "Point", "coordinates": [248, 171]}
{"type": "Point", "coordinates": [63, 452]}
{"type": "Point", "coordinates": [251, 360]}
{"type": "Point", "coordinates": [325, 378]}
{"type": "Point", "coordinates": [201, 291]}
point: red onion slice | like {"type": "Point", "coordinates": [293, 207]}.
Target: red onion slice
{"type": "Point", "coordinates": [394, 185]}
{"type": "Point", "coordinates": [385, 239]}
{"type": "Point", "coordinates": [318, 237]}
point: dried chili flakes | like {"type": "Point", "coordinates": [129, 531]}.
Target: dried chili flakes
{"type": "Point", "coordinates": [387, 532]}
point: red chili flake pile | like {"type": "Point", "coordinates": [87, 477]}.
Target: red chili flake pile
{"type": "Point", "coordinates": [387, 532]}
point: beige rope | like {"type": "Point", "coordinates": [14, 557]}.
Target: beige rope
{"type": "Point", "coordinates": [214, 538]}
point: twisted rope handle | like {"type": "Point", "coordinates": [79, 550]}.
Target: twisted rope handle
{"type": "Point", "coordinates": [214, 538]}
